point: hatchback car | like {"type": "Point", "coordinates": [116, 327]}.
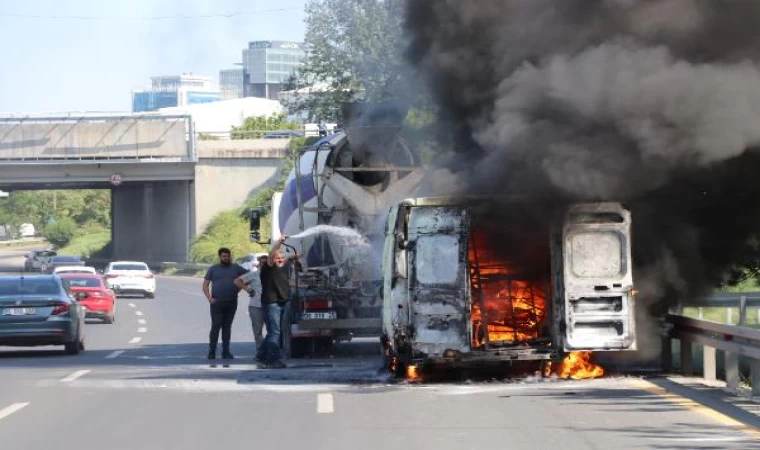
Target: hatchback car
{"type": "Point", "coordinates": [129, 277]}
{"type": "Point", "coordinates": [37, 258]}
{"type": "Point", "coordinates": [59, 260]}
{"type": "Point", "coordinates": [92, 293]}
{"type": "Point", "coordinates": [40, 310]}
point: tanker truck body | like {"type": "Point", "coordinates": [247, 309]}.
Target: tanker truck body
{"type": "Point", "coordinates": [472, 281]}
{"type": "Point", "coordinates": [348, 180]}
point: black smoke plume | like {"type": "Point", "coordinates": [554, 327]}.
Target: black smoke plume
{"type": "Point", "coordinates": [654, 103]}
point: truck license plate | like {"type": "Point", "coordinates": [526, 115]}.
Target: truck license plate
{"type": "Point", "coordinates": [319, 315]}
{"type": "Point", "coordinates": [19, 311]}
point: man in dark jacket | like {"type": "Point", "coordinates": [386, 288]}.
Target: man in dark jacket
{"type": "Point", "coordinates": [275, 296]}
{"type": "Point", "coordinates": [222, 298]}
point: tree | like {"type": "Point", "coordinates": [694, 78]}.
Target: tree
{"type": "Point", "coordinates": [61, 232]}
{"type": "Point", "coordinates": [353, 52]}
{"type": "Point", "coordinates": [254, 127]}
{"type": "Point", "coordinates": [42, 207]}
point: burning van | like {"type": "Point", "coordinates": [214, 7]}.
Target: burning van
{"type": "Point", "coordinates": [472, 281]}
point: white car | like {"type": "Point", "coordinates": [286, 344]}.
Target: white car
{"type": "Point", "coordinates": [130, 277]}
{"type": "Point", "coordinates": [37, 258]}
{"type": "Point", "coordinates": [74, 269]}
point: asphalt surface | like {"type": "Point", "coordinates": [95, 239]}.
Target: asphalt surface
{"type": "Point", "coordinates": [143, 383]}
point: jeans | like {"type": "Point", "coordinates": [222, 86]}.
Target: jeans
{"type": "Point", "coordinates": [257, 324]}
{"type": "Point", "coordinates": [222, 315]}
{"type": "Point", "coordinates": [273, 318]}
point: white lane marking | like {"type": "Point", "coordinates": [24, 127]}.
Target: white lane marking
{"type": "Point", "coordinates": [115, 354]}
{"type": "Point", "coordinates": [325, 404]}
{"type": "Point", "coordinates": [139, 313]}
{"type": "Point", "coordinates": [141, 321]}
{"type": "Point", "coordinates": [133, 305]}
{"type": "Point", "coordinates": [135, 340]}
{"type": "Point", "coordinates": [73, 376]}
{"type": "Point", "coordinates": [142, 330]}
{"type": "Point", "coordinates": [5, 412]}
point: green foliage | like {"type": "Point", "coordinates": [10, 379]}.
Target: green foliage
{"type": "Point", "coordinates": [43, 207]}
{"type": "Point", "coordinates": [353, 52]}
{"type": "Point", "coordinates": [60, 232]}
{"type": "Point", "coordinates": [226, 229]}
{"type": "Point", "coordinates": [255, 127]}
{"type": "Point", "coordinates": [88, 243]}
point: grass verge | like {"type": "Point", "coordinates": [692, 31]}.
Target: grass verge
{"type": "Point", "coordinates": [87, 244]}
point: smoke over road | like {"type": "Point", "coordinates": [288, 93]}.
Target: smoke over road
{"type": "Point", "coordinates": [656, 103]}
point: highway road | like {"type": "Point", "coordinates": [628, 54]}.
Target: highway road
{"type": "Point", "coordinates": [143, 383]}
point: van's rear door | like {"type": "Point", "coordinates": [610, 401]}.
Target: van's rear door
{"type": "Point", "coordinates": [597, 278]}
{"type": "Point", "coordinates": [438, 279]}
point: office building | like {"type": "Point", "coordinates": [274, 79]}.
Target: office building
{"type": "Point", "coordinates": [175, 90]}
{"type": "Point", "coordinates": [267, 65]}
{"type": "Point", "coordinates": [232, 83]}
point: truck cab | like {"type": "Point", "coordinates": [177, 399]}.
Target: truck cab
{"type": "Point", "coordinates": [471, 281]}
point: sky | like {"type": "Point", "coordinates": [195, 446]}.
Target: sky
{"type": "Point", "coordinates": [88, 55]}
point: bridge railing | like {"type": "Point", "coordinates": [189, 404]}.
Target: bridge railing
{"type": "Point", "coordinates": [734, 340]}
{"type": "Point", "coordinates": [74, 138]}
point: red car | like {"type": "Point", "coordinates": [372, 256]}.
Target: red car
{"type": "Point", "coordinates": [92, 293]}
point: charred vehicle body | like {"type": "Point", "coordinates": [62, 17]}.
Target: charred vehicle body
{"type": "Point", "coordinates": [464, 286]}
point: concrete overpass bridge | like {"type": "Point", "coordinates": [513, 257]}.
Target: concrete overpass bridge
{"type": "Point", "coordinates": [165, 185]}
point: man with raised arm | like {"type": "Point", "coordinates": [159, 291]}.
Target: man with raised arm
{"type": "Point", "coordinates": [275, 296]}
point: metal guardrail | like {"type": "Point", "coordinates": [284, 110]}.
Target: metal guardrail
{"type": "Point", "coordinates": [734, 340]}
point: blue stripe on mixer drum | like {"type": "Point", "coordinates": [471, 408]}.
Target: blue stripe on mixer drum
{"type": "Point", "coordinates": [289, 202]}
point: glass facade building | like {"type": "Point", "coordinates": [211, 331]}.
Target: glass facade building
{"type": "Point", "coordinates": [175, 90]}
{"type": "Point", "coordinates": [267, 65]}
{"type": "Point", "coordinates": [232, 83]}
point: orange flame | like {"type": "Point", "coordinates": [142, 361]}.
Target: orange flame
{"type": "Point", "coordinates": [576, 365]}
{"type": "Point", "coordinates": [412, 373]}
{"type": "Point", "coordinates": [514, 307]}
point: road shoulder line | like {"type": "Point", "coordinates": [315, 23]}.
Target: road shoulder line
{"type": "Point", "coordinates": [718, 410]}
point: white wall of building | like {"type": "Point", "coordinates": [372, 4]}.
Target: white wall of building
{"type": "Point", "coordinates": [219, 117]}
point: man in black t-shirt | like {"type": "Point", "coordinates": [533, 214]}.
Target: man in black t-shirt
{"type": "Point", "coordinates": [222, 299]}
{"type": "Point", "coordinates": [275, 296]}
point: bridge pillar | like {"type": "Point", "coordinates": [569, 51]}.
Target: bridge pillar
{"type": "Point", "coordinates": [152, 221]}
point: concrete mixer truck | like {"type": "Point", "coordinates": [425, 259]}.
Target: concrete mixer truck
{"type": "Point", "coordinates": [335, 201]}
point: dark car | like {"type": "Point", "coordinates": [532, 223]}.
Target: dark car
{"type": "Point", "coordinates": [282, 135]}
{"type": "Point", "coordinates": [59, 261]}
{"type": "Point", "coordinates": [40, 310]}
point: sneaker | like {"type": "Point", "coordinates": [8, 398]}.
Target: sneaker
{"type": "Point", "coordinates": [211, 355]}
{"type": "Point", "coordinates": [227, 355]}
